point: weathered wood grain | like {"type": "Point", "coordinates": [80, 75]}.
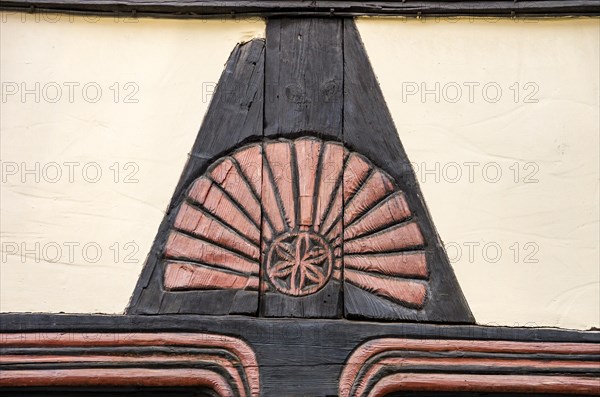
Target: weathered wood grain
{"type": "Point", "coordinates": [287, 209]}
{"type": "Point", "coordinates": [205, 220]}
{"type": "Point", "coordinates": [199, 223]}
{"type": "Point", "coordinates": [387, 211]}
{"type": "Point", "coordinates": [340, 8]}
{"type": "Point", "coordinates": [303, 97]}
{"type": "Point", "coordinates": [303, 77]}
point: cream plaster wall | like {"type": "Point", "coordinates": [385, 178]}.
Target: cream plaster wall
{"type": "Point", "coordinates": [542, 212]}
{"type": "Point", "coordinates": [172, 67]}
{"type": "Point", "coordinates": [524, 244]}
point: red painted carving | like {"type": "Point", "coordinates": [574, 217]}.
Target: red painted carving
{"type": "Point", "coordinates": [212, 198]}
{"type": "Point", "coordinates": [299, 263]}
{"type": "Point", "coordinates": [180, 275]}
{"type": "Point", "coordinates": [383, 366]}
{"type": "Point", "coordinates": [331, 171]}
{"type": "Point", "coordinates": [292, 208]}
{"type": "Point", "coordinates": [411, 293]}
{"type": "Point", "coordinates": [390, 211]}
{"type": "Point", "coordinates": [183, 246]}
{"type": "Point", "coordinates": [204, 368]}
{"type": "Point", "coordinates": [203, 226]}
{"type": "Point", "coordinates": [394, 238]}
{"type": "Point", "coordinates": [307, 156]}
{"type": "Point", "coordinates": [278, 191]}
{"type": "Point", "coordinates": [392, 264]}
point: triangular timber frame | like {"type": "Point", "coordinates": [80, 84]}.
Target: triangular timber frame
{"type": "Point", "coordinates": [311, 79]}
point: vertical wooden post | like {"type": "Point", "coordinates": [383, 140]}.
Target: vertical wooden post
{"type": "Point", "coordinates": [303, 96]}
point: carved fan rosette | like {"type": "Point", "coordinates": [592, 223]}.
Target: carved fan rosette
{"type": "Point", "coordinates": [314, 203]}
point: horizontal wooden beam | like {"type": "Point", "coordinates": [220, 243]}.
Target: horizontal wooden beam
{"type": "Point", "coordinates": [266, 8]}
{"type": "Point", "coordinates": [307, 356]}
{"type": "Point", "coordinates": [269, 329]}
{"type": "Point", "coordinates": [303, 363]}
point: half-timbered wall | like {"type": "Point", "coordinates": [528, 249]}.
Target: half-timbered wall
{"type": "Point", "coordinates": [541, 133]}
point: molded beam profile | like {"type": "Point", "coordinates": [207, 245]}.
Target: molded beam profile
{"type": "Point", "coordinates": [266, 8]}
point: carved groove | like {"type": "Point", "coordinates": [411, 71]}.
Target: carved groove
{"type": "Point", "coordinates": [386, 365]}
{"type": "Point", "coordinates": [224, 364]}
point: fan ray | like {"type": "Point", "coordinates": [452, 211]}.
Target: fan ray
{"type": "Point", "coordinates": [376, 187]}
{"type": "Point", "coordinates": [395, 238]}
{"type": "Point", "coordinates": [307, 158]}
{"type": "Point", "coordinates": [335, 199]}
{"type": "Point", "coordinates": [405, 292]}
{"type": "Point", "coordinates": [210, 197]}
{"type": "Point", "coordinates": [356, 173]}
{"type": "Point", "coordinates": [278, 154]}
{"type": "Point", "coordinates": [270, 200]}
{"type": "Point", "coordinates": [185, 276]}
{"type": "Point", "coordinates": [403, 264]}
{"type": "Point", "coordinates": [331, 171]}
{"type": "Point", "coordinates": [391, 210]}
{"type": "Point", "coordinates": [201, 224]}
{"type": "Point", "coordinates": [250, 163]}
{"type": "Point", "coordinates": [227, 176]}
{"type": "Point", "coordinates": [181, 246]}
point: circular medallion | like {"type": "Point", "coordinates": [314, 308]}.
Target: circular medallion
{"type": "Point", "coordinates": [299, 263]}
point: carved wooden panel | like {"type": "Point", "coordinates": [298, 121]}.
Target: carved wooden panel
{"type": "Point", "coordinates": [298, 200]}
{"type": "Point", "coordinates": [310, 211]}
{"type": "Point", "coordinates": [315, 212]}
{"type": "Point", "coordinates": [300, 255]}
{"type": "Point", "coordinates": [312, 201]}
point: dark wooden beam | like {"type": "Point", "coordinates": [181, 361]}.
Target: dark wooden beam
{"type": "Point", "coordinates": [282, 330]}
{"type": "Point", "coordinates": [306, 357]}
{"type": "Point", "coordinates": [266, 8]}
